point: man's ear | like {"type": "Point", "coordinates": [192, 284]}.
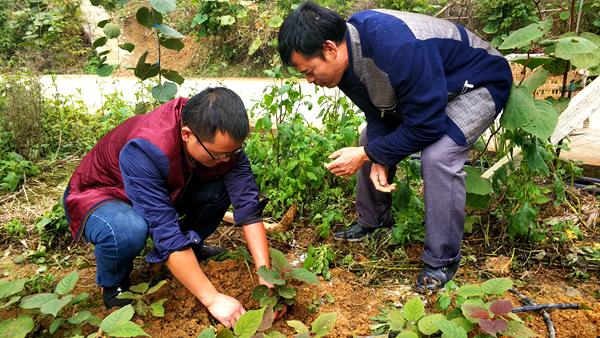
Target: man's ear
{"type": "Point", "coordinates": [186, 133]}
{"type": "Point", "coordinates": [330, 48]}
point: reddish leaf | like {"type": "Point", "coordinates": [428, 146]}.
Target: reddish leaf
{"type": "Point", "coordinates": [477, 312]}
{"type": "Point", "coordinates": [501, 307]}
{"type": "Point", "coordinates": [493, 326]}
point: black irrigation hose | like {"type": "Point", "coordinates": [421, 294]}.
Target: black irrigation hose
{"type": "Point", "coordinates": [539, 307]}
{"type": "Point", "coordinates": [545, 314]}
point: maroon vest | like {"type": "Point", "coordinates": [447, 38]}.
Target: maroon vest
{"type": "Point", "coordinates": [98, 177]}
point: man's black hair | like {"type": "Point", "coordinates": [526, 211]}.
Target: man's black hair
{"type": "Point", "coordinates": [215, 109]}
{"type": "Point", "coordinates": [306, 29]}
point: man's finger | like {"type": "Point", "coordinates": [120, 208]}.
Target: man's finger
{"type": "Point", "coordinates": [335, 154]}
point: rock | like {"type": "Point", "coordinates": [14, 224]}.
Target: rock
{"type": "Point", "coordinates": [499, 265]}
{"type": "Point", "coordinates": [572, 292]}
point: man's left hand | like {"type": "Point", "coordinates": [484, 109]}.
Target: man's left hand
{"type": "Point", "coordinates": [347, 161]}
{"type": "Point", "coordinates": [379, 177]}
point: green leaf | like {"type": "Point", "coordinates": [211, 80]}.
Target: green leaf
{"type": "Point", "coordinates": [304, 275]}
{"type": "Point", "coordinates": [464, 323]}
{"type": "Point", "coordinates": [396, 320]}
{"type": "Point", "coordinates": [496, 286]}
{"type": "Point", "coordinates": [16, 327]}
{"type": "Point", "coordinates": [536, 79]}
{"type": "Point", "coordinates": [157, 309]}
{"type": "Point", "coordinates": [129, 295]}
{"type": "Point", "coordinates": [102, 23]}
{"type": "Point", "coordinates": [54, 306]}
{"type": "Point", "coordinates": [128, 46]}
{"type": "Point", "coordinates": [570, 46]}
{"type": "Point", "coordinates": [148, 17]}
{"type": "Point", "coordinates": [156, 287]}
{"type": "Point", "coordinates": [477, 184]}
{"type": "Point", "coordinates": [275, 21]}
{"type": "Point", "coordinates": [9, 288]}
{"type": "Point", "coordinates": [298, 326]}
{"type": "Point", "coordinates": [79, 317]}
{"type": "Point", "coordinates": [105, 70]}
{"type": "Point", "coordinates": [171, 43]}
{"type": "Point", "coordinates": [278, 260]}
{"type": "Point", "coordinates": [170, 32]}
{"type": "Point", "coordinates": [225, 333]}
{"type": "Point", "coordinates": [427, 324]}
{"type": "Point", "coordinates": [491, 27]}
{"type": "Point", "coordinates": [270, 276]}
{"type": "Point", "coordinates": [259, 292]}
{"type": "Point", "coordinates": [172, 76]}
{"type": "Point", "coordinates": [139, 288]}
{"type": "Point", "coordinates": [164, 92]}
{"type": "Point", "coordinates": [111, 30]}
{"type": "Point", "coordinates": [543, 120]}
{"type": "Point", "coordinates": [323, 324]}
{"type": "Point", "coordinates": [407, 334]}
{"type": "Point", "coordinates": [208, 332]}
{"type": "Point", "coordinates": [519, 109]}
{"type": "Point", "coordinates": [10, 302]}
{"type": "Point", "coordinates": [163, 6]}
{"type": "Point", "coordinates": [286, 291]}
{"type": "Point", "coordinates": [256, 43]}
{"type": "Point", "coordinates": [413, 309]}
{"type": "Point", "coordinates": [564, 15]}
{"type": "Point", "coordinates": [127, 329]}
{"type": "Point", "coordinates": [526, 35]}
{"type": "Point", "coordinates": [99, 42]}
{"type": "Point", "coordinates": [275, 334]}
{"type": "Point", "coordinates": [470, 290]}
{"type": "Point", "coordinates": [67, 283]}
{"type": "Point", "coordinates": [56, 324]}
{"type": "Point", "coordinates": [116, 318]}
{"type": "Point", "coordinates": [37, 301]}
{"type": "Point", "coordinates": [517, 329]}
{"type": "Point", "coordinates": [451, 330]}
{"type": "Point", "coordinates": [226, 20]}
{"type": "Point", "coordinates": [248, 323]}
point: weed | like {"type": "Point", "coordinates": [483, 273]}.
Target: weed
{"type": "Point", "coordinates": [318, 260]}
{"type": "Point", "coordinates": [138, 293]}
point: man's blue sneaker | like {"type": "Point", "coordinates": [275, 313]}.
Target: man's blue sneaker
{"type": "Point", "coordinates": [431, 279]}
{"type": "Point", "coordinates": [354, 233]}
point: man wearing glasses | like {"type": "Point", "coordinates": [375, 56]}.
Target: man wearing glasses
{"type": "Point", "coordinates": [170, 174]}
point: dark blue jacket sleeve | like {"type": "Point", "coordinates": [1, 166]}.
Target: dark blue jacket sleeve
{"type": "Point", "coordinates": [243, 192]}
{"type": "Point", "coordinates": [144, 168]}
{"type": "Point", "coordinates": [417, 74]}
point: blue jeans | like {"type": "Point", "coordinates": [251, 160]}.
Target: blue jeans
{"type": "Point", "coordinates": [119, 233]}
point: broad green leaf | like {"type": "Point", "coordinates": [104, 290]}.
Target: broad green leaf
{"type": "Point", "coordinates": [157, 309]}
{"type": "Point", "coordinates": [536, 79]}
{"type": "Point", "coordinates": [568, 47]}
{"type": "Point", "coordinates": [10, 302]}
{"type": "Point", "coordinates": [414, 309]}
{"type": "Point", "coordinates": [156, 287]}
{"type": "Point", "coordinates": [116, 318]}
{"type": "Point", "coordinates": [67, 283]}
{"type": "Point", "coordinates": [323, 324]}
{"type": "Point", "coordinates": [102, 23]}
{"type": "Point", "coordinates": [164, 92]}
{"type": "Point", "coordinates": [128, 46]}
{"type": "Point", "coordinates": [543, 120]}
{"type": "Point", "coordinates": [37, 301]}
{"type": "Point", "coordinates": [304, 275]}
{"type": "Point", "coordinates": [148, 17]}
{"type": "Point", "coordinates": [427, 324]}
{"type": "Point", "coordinates": [79, 317]}
{"type": "Point", "coordinates": [53, 307]}
{"type": "Point", "coordinates": [56, 324]}
{"type": "Point", "coordinates": [278, 260]}
{"type": "Point", "coordinates": [140, 288]}
{"type": "Point", "coordinates": [526, 35]}
{"type": "Point", "coordinates": [470, 290]}
{"type": "Point", "coordinates": [396, 320]}
{"type": "Point", "coordinates": [298, 326]}
{"type": "Point", "coordinates": [99, 42]}
{"type": "Point", "coordinates": [522, 220]}
{"type": "Point", "coordinates": [248, 323]}
{"type": "Point", "coordinates": [94, 321]}
{"type": "Point", "coordinates": [464, 323]}
{"type": "Point", "coordinates": [477, 184]}
{"type": "Point", "coordinates": [171, 43]}
{"type": "Point", "coordinates": [129, 295]}
{"type": "Point", "coordinates": [163, 6]}
{"type": "Point", "coordinates": [225, 333]}
{"type": "Point", "coordinates": [226, 20]}
{"type": "Point", "coordinates": [491, 27]}
{"type": "Point", "coordinates": [518, 110]}
{"type": "Point", "coordinates": [532, 62]}
{"type": "Point", "coordinates": [275, 21]}
{"type": "Point", "coordinates": [407, 334]}
{"type": "Point", "coordinates": [111, 30]}
{"type": "Point", "coordinates": [270, 276]}
{"type": "Point", "coordinates": [9, 288]}
{"type": "Point", "coordinates": [275, 334]}
{"type": "Point", "coordinates": [286, 291]}
{"type": "Point", "coordinates": [517, 329]}
{"type": "Point", "coordinates": [16, 327]}
{"type": "Point", "coordinates": [496, 286]}
{"type": "Point", "coordinates": [564, 15]}
{"type": "Point", "coordinates": [170, 32]}
{"type": "Point", "coordinates": [105, 70]}
{"type": "Point", "coordinates": [260, 291]}
{"type": "Point", "coordinates": [127, 329]}
{"type": "Point", "coordinates": [209, 332]}
{"type": "Point", "coordinates": [451, 330]}
{"type": "Point", "coordinates": [256, 43]}
{"type": "Point", "coordinates": [172, 75]}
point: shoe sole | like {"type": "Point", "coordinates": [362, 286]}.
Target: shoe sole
{"type": "Point", "coordinates": [344, 239]}
{"type": "Point", "coordinates": [377, 234]}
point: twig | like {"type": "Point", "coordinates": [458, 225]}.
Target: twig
{"type": "Point", "coordinates": [545, 314]}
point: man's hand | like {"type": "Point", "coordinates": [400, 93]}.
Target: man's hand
{"type": "Point", "coordinates": [378, 176]}
{"type": "Point", "coordinates": [225, 309]}
{"type": "Point", "coordinates": [347, 161]}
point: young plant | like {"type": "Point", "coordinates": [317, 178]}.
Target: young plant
{"type": "Point", "coordinates": [320, 327]}
{"type": "Point", "coordinates": [279, 275]}
{"type": "Point", "coordinates": [138, 293]}
{"type": "Point", "coordinates": [318, 260]}
{"type": "Point", "coordinates": [119, 324]}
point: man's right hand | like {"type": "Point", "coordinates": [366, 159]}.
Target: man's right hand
{"type": "Point", "coordinates": [225, 309]}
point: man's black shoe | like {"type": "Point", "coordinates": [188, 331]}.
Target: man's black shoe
{"type": "Point", "coordinates": [204, 252]}
{"type": "Point", "coordinates": [430, 279]}
{"type": "Point", "coordinates": [354, 233]}
{"type": "Point", "coordinates": [109, 295]}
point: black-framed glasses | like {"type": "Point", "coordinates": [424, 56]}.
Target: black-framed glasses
{"type": "Point", "coordinates": [217, 156]}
